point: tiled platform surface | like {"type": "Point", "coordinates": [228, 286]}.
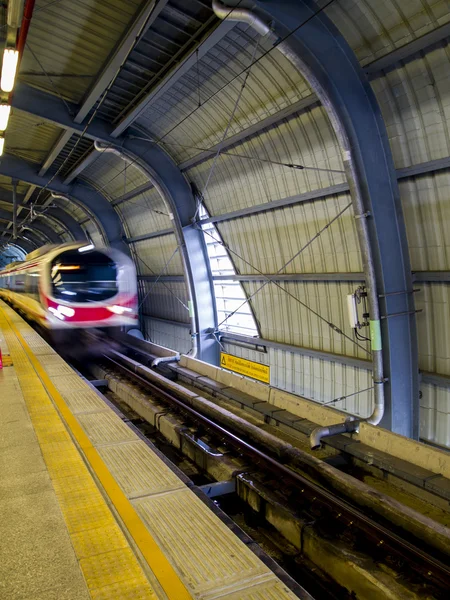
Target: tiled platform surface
{"type": "Point", "coordinates": [89, 510]}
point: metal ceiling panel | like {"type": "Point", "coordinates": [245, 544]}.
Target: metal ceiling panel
{"type": "Point", "coordinates": [29, 137]}
{"type": "Point", "coordinates": [69, 41]}
{"type": "Point", "coordinates": [273, 84]}
{"type": "Point", "coordinates": [173, 34]}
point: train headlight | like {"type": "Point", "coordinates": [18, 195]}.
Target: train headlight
{"type": "Point", "coordinates": [61, 312]}
{"type": "Point", "coordinates": [119, 310]}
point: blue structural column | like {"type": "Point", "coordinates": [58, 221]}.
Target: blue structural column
{"type": "Point", "coordinates": [181, 205]}
{"type": "Point", "coordinates": [325, 59]}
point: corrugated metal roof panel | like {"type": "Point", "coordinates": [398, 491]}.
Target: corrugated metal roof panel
{"type": "Point", "coordinates": [171, 36]}
{"type": "Point", "coordinates": [375, 28]}
{"type": "Point", "coordinates": [273, 84]}
{"type": "Point", "coordinates": [306, 140]}
{"type": "Point", "coordinates": [109, 173]}
{"type": "Point", "coordinates": [71, 40]}
{"type": "Point", "coordinates": [29, 137]}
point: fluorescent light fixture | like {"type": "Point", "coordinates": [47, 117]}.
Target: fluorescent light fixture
{"type": "Point", "coordinates": [9, 67]}
{"type": "Point", "coordinates": [2, 143]}
{"type": "Point", "coordinates": [86, 248]}
{"type": "Point", "coordinates": [5, 109]}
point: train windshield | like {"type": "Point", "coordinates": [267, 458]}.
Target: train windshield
{"type": "Point", "coordinates": [90, 277]}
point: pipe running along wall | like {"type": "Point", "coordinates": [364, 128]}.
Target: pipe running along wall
{"type": "Point", "coordinates": [314, 72]}
{"type": "Point", "coordinates": [179, 204]}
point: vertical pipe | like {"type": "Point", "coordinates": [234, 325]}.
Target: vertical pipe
{"type": "Point", "coordinates": [14, 187]}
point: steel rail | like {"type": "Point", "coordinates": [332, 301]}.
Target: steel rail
{"type": "Point", "coordinates": [431, 568]}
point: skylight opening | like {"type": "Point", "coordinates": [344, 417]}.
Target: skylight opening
{"type": "Point", "coordinates": [231, 300]}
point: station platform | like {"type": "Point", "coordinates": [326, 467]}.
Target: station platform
{"type": "Point", "coordinates": [89, 509]}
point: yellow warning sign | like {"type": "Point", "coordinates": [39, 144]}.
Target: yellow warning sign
{"type": "Point", "coordinates": [245, 367]}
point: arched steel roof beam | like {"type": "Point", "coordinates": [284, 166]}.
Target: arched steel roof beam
{"type": "Point", "coordinates": [70, 224]}
{"type": "Point", "coordinates": [22, 244]}
{"type": "Point", "coordinates": [80, 193]}
{"type": "Point", "coordinates": [45, 229]}
{"type": "Point", "coordinates": [181, 206]}
{"type": "Point", "coordinates": [174, 189]}
{"type": "Point", "coordinates": [32, 242]}
{"type": "Point", "coordinates": [59, 215]}
{"type": "Point", "coordinates": [315, 46]}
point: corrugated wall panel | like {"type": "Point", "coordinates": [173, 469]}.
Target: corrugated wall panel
{"type": "Point", "coordinates": [169, 335]}
{"type": "Point", "coordinates": [155, 253]}
{"type": "Point", "coordinates": [145, 213]}
{"type": "Point", "coordinates": [313, 378]}
{"type": "Point", "coordinates": [165, 300]}
{"type": "Point", "coordinates": [275, 309]}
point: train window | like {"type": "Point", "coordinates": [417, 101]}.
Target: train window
{"type": "Point", "coordinates": [90, 277]}
{"type": "Point", "coordinates": [32, 284]}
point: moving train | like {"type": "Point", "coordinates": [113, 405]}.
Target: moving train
{"type": "Point", "coordinates": [76, 292]}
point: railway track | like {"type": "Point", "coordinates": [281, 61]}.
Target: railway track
{"type": "Point", "coordinates": [418, 553]}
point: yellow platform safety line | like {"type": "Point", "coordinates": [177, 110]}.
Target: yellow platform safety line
{"type": "Point", "coordinates": [75, 494]}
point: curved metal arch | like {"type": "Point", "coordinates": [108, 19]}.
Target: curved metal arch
{"type": "Point", "coordinates": [67, 221]}
{"type": "Point", "coordinates": [177, 196]}
{"type": "Point", "coordinates": [327, 62]}
{"type": "Point", "coordinates": [80, 193]}
{"type": "Point", "coordinates": [46, 230]}
{"type": "Point", "coordinates": [36, 237]}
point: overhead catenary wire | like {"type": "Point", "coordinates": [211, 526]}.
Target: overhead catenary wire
{"type": "Point", "coordinates": [235, 154]}
{"type": "Point", "coordinates": [230, 120]}
{"type": "Point", "coordinates": [131, 162]}
{"type": "Point", "coordinates": [277, 43]}
{"type": "Point", "coordinates": [272, 281]}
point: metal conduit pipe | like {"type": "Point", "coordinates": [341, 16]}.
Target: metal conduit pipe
{"type": "Point", "coordinates": [165, 359]}
{"type": "Point", "coordinates": [255, 21]}
{"type": "Point", "coordinates": [183, 251]}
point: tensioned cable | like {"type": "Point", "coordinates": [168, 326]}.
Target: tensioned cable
{"type": "Point", "coordinates": [270, 280]}
{"type": "Point", "coordinates": [277, 43]}
{"type": "Point", "coordinates": [99, 104]}
{"type": "Point", "coordinates": [50, 79]}
{"type": "Point", "coordinates": [37, 10]}
{"type": "Point", "coordinates": [231, 80]}
{"type": "Point", "coordinates": [230, 120]}
{"type": "Point", "coordinates": [234, 154]}
{"type": "Point", "coordinates": [348, 396]}
{"type": "Point", "coordinates": [158, 277]}
{"type": "Point", "coordinates": [162, 282]}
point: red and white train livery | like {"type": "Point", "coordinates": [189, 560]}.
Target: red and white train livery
{"type": "Point", "coordinates": [73, 286]}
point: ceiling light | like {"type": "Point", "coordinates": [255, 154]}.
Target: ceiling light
{"type": "Point", "coordinates": [5, 109]}
{"type": "Point", "coordinates": [9, 67]}
{"type": "Point", "coordinates": [2, 143]}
